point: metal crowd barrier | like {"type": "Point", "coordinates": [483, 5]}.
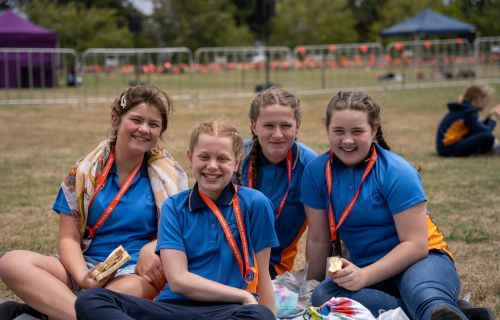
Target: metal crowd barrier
{"type": "Point", "coordinates": [39, 76]}
{"type": "Point", "coordinates": [225, 72]}
{"type": "Point", "coordinates": [323, 68]}
{"type": "Point", "coordinates": [56, 76]}
{"type": "Point", "coordinates": [487, 56]}
{"type": "Point", "coordinates": [424, 63]}
{"type": "Point", "coordinates": [106, 72]}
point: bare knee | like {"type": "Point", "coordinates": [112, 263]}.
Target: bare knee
{"type": "Point", "coordinates": [18, 263]}
{"type": "Point", "coordinates": [11, 262]}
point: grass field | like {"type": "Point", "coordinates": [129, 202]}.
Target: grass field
{"type": "Point", "coordinates": [40, 143]}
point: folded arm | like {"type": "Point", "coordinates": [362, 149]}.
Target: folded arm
{"type": "Point", "coordinates": [195, 287]}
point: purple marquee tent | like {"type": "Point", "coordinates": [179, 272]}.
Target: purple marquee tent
{"type": "Point", "coordinates": [25, 68]}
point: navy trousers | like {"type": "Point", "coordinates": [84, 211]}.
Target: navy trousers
{"type": "Point", "coordinates": [100, 303]}
{"type": "Point", "coordinates": [478, 143]}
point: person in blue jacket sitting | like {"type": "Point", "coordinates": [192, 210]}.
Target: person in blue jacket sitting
{"type": "Point", "coordinates": [461, 132]}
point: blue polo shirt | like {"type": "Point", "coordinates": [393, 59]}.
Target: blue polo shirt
{"type": "Point", "coordinates": [393, 186]}
{"type": "Point", "coordinates": [291, 223]}
{"type": "Point", "coordinates": [188, 225]}
{"type": "Point", "coordinates": [133, 222]}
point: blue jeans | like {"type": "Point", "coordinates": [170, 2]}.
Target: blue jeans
{"type": "Point", "coordinates": [427, 283]}
{"type": "Point", "coordinates": [99, 303]}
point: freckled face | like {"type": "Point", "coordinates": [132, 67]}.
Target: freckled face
{"type": "Point", "coordinates": [350, 136]}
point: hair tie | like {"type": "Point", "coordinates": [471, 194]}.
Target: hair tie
{"type": "Point", "coordinates": [123, 102]}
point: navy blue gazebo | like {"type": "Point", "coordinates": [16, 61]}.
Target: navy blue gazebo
{"type": "Point", "coordinates": [429, 22]}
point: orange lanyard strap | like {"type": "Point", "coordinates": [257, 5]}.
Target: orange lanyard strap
{"type": "Point", "coordinates": [101, 180]}
{"type": "Point", "coordinates": [246, 271]}
{"type": "Point", "coordinates": [289, 169]}
{"type": "Point", "coordinates": [350, 205]}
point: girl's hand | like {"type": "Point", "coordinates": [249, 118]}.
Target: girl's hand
{"type": "Point", "coordinates": [89, 282]}
{"type": "Point", "coordinates": [149, 266]}
{"type": "Point", "coordinates": [495, 112]}
{"type": "Point", "coordinates": [349, 277]}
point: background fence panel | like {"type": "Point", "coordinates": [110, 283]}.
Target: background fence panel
{"type": "Point", "coordinates": [224, 72]}
{"type": "Point", "coordinates": [424, 63]}
{"type": "Point", "coordinates": [323, 68]}
{"type": "Point", "coordinates": [48, 76]}
{"type": "Point", "coordinates": [38, 75]}
{"type": "Point", "coordinates": [106, 72]}
{"type": "Point", "coordinates": [487, 54]}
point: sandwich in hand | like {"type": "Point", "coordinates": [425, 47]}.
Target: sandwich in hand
{"type": "Point", "coordinates": [334, 264]}
{"type": "Point", "coordinates": [113, 262]}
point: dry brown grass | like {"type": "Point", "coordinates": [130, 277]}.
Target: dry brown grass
{"type": "Point", "coordinates": [39, 144]}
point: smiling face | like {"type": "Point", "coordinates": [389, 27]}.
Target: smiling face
{"type": "Point", "coordinates": [276, 129]}
{"type": "Point", "coordinates": [213, 163]}
{"type": "Point", "coordinates": [138, 130]}
{"type": "Point", "coordinates": [350, 136]}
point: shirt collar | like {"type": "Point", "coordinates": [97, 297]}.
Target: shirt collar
{"type": "Point", "coordinates": [196, 203]}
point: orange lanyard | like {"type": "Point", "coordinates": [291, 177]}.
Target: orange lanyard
{"type": "Point", "coordinates": [101, 180]}
{"type": "Point", "coordinates": [289, 169]}
{"type": "Point", "coordinates": [248, 271]}
{"type": "Point", "coordinates": [350, 205]}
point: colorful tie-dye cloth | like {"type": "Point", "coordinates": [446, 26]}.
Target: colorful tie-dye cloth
{"type": "Point", "coordinates": [339, 309]}
{"type": "Point", "coordinates": [292, 294]}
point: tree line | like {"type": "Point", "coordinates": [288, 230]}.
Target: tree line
{"type": "Point", "coordinates": [83, 24]}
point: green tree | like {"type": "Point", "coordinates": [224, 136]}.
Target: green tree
{"type": "Point", "coordinates": [199, 23]}
{"type": "Point", "coordinates": [481, 13]}
{"type": "Point", "coordinates": [312, 22]}
{"type": "Point", "coordinates": [79, 27]}
{"type": "Point", "coordinates": [366, 12]}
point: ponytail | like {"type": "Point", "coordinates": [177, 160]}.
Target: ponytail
{"type": "Point", "coordinates": [237, 176]}
{"type": "Point", "coordinates": [255, 160]}
{"type": "Point", "coordinates": [379, 136]}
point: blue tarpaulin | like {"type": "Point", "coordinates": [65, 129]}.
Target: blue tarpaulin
{"type": "Point", "coordinates": [429, 22]}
